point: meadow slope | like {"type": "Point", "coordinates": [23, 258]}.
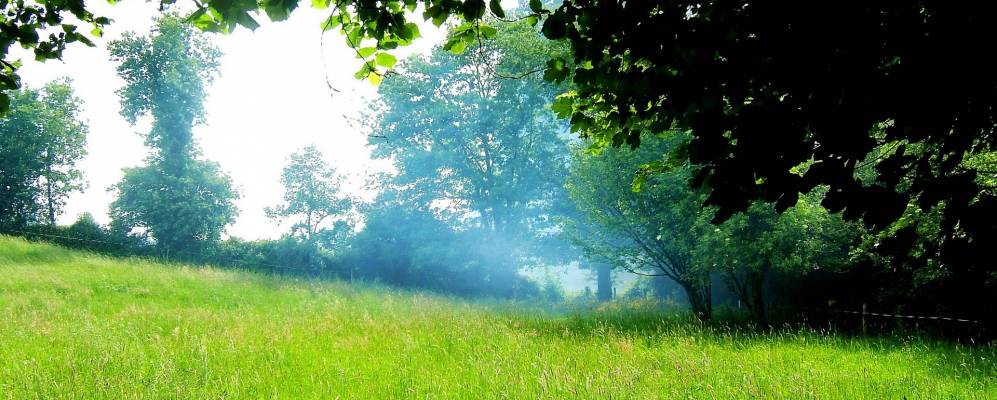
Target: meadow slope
{"type": "Point", "coordinates": [77, 325]}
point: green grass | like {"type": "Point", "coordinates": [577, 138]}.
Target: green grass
{"type": "Point", "coordinates": [76, 325]}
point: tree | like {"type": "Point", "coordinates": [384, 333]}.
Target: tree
{"type": "Point", "coordinates": [726, 71]}
{"type": "Point", "coordinates": [41, 140]}
{"type": "Point", "coordinates": [663, 230]}
{"type": "Point", "coordinates": [313, 197]}
{"type": "Point", "coordinates": [654, 232]}
{"type": "Point", "coordinates": [738, 74]}
{"type": "Point", "coordinates": [165, 76]}
{"type": "Point", "coordinates": [483, 152]}
{"type": "Point", "coordinates": [183, 202]}
{"type": "Point", "coordinates": [182, 213]}
{"type": "Point", "coordinates": [750, 246]}
{"type": "Point", "coordinates": [65, 146]}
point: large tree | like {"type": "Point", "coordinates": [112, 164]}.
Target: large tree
{"type": "Point", "coordinates": [165, 75]}
{"type": "Point", "coordinates": [182, 213]}
{"type": "Point", "coordinates": [182, 201]}
{"type": "Point", "coordinates": [485, 152]}
{"type": "Point", "coordinates": [41, 140]}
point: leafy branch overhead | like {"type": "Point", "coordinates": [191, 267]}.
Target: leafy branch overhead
{"type": "Point", "coordinates": [372, 28]}
{"type": "Point", "coordinates": [42, 28]}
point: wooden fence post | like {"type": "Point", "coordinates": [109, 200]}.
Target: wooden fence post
{"type": "Point", "coordinates": [863, 318]}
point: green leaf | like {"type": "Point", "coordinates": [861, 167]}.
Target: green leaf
{"type": "Point", "coordinates": [320, 4]}
{"type": "Point", "coordinates": [557, 70]}
{"type": "Point", "coordinates": [533, 20]}
{"type": "Point", "coordinates": [410, 31]}
{"type": "Point", "coordinates": [363, 72]}
{"type": "Point", "coordinates": [457, 44]}
{"type": "Point", "coordinates": [487, 32]}
{"type": "Point", "coordinates": [536, 6]}
{"type": "Point", "coordinates": [563, 106]}
{"type": "Point", "coordinates": [496, 7]}
{"type": "Point", "coordinates": [365, 52]}
{"type": "Point", "coordinates": [279, 10]}
{"type": "Point", "coordinates": [248, 21]}
{"type": "Point", "coordinates": [374, 78]}
{"type": "Point", "coordinates": [385, 60]}
{"type": "Point", "coordinates": [473, 9]}
{"type": "Point", "coordinates": [353, 37]}
{"type": "Point", "coordinates": [440, 19]}
{"type": "Point", "coordinates": [556, 26]}
{"type": "Point", "coordinates": [330, 23]}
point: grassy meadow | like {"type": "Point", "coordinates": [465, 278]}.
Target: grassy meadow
{"type": "Point", "coordinates": [82, 326]}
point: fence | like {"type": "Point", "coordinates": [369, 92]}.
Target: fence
{"type": "Point", "coordinates": [864, 314]}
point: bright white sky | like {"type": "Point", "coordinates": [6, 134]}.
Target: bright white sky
{"type": "Point", "coordinates": [270, 99]}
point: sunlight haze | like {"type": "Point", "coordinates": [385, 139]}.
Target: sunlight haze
{"type": "Point", "coordinates": [269, 99]}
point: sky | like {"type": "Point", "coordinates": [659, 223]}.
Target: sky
{"type": "Point", "coordinates": [271, 98]}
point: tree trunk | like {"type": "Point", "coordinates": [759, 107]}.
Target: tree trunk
{"type": "Point", "coordinates": [699, 300]}
{"type": "Point", "coordinates": [758, 298]}
{"type": "Point", "coordinates": [48, 194]}
{"type": "Point", "coordinates": [751, 292]}
{"type": "Point", "coordinates": [604, 282]}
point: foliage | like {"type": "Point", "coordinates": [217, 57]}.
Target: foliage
{"type": "Point", "coordinates": [480, 151]}
{"type": "Point", "coordinates": [751, 246]}
{"type": "Point", "coordinates": [654, 231]}
{"type": "Point", "coordinates": [87, 234]}
{"type": "Point", "coordinates": [27, 22]}
{"type": "Point", "coordinates": [763, 88]}
{"type": "Point", "coordinates": [181, 213]}
{"type": "Point", "coordinates": [480, 163]}
{"type": "Point", "coordinates": [165, 75]}
{"type": "Point", "coordinates": [313, 198]}
{"type": "Point", "coordinates": [41, 140]}
{"type": "Point", "coordinates": [184, 203]}
{"type": "Point", "coordinates": [84, 326]}
{"type": "Point", "coordinates": [663, 229]}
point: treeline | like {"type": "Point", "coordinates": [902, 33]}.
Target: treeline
{"type": "Point", "coordinates": [487, 182]}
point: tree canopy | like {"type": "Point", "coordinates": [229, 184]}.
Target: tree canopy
{"type": "Point", "coordinates": [313, 198]}
{"type": "Point", "coordinates": [483, 150]}
{"type": "Point", "coordinates": [41, 139]}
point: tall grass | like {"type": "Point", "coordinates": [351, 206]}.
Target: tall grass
{"type": "Point", "coordinates": [76, 325]}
